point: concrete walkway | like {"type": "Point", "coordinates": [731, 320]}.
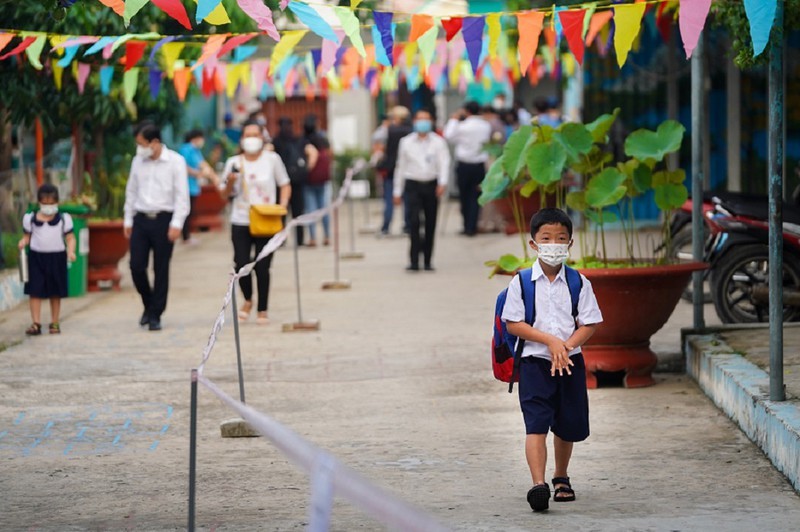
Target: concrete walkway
{"type": "Point", "coordinates": [396, 383]}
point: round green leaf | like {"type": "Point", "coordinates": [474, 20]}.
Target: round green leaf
{"type": "Point", "coordinates": [546, 162]}
{"type": "Point", "coordinates": [576, 200]}
{"type": "Point", "coordinates": [670, 196]}
{"type": "Point", "coordinates": [644, 144]}
{"type": "Point", "coordinates": [495, 184]}
{"type": "Point", "coordinates": [576, 139]}
{"type": "Point", "coordinates": [601, 125]}
{"type": "Point", "coordinates": [606, 188]}
{"type": "Point", "coordinates": [601, 217]}
{"type": "Point", "coordinates": [642, 179]}
{"type": "Point", "coordinates": [510, 262]}
{"type": "Point", "coordinates": [514, 148]}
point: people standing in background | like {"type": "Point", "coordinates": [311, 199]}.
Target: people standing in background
{"type": "Point", "coordinates": [256, 177]}
{"type": "Point", "coordinates": [469, 133]}
{"type": "Point", "coordinates": [399, 127]}
{"type": "Point", "coordinates": [379, 137]}
{"type": "Point", "coordinates": [50, 236]}
{"type": "Point", "coordinates": [156, 205]}
{"type": "Point", "coordinates": [524, 117]}
{"type": "Point", "coordinates": [421, 175]}
{"type": "Point", "coordinates": [547, 113]}
{"type": "Point", "coordinates": [318, 189]}
{"type": "Point", "coordinates": [492, 116]}
{"type": "Point", "coordinates": [232, 133]}
{"type": "Point", "coordinates": [197, 169]}
{"type": "Point", "coordinates": [296, 158]}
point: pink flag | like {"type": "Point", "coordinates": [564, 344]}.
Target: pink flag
{"type": "Point", "coordinates": [83, 74]}
{"type": "Point", "coordinates": [692, 20]}
{"type": "Point", "coordinates": [257, 11]}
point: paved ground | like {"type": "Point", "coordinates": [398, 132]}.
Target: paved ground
{"type": "Point", "coordinates": [94, 424]}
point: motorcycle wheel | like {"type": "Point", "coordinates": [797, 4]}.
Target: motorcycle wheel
{"type": "Point", "coordinates": [681, 249]}
{"type": "Point", "coordinates": [735, 276]}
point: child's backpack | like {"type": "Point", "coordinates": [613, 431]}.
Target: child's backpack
{"type": "Point", "coordinates": [507, 348]}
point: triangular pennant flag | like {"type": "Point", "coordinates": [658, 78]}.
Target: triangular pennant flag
{"type": "Point", "coordinates": [207, 88]}
{"type": "Point", "coordinates": [572, 26]}
{"type": "Point", "coordinates": [175, 9]}
{"type": "Point", "coordinates": [58, 73]}
{"type": "Point", "coordinates": [383, 21]}
{"type": "Point", "coordinates": [308, 16]}
{"type": "Point", "coordinates": [427, 46]}
{"type": "Point", "coordinates": [5, 38]}
{"type": "Point", "coordinates": [530, 28]}
{"type": "Point", "coordinates": [472, 30]}
{"type": "Point", "coordinates": [587, 17]}
{"type": "Point", "coordinates": [21, 47]}
{"type": "Point", "coordinates": [233, 42]}
{"type": "Point", "coordinates": [35, 49]}
{"type": "Point", "coordinates": [170, 53]}
{"type": "Point", "coordinates": [154, 79]}
{"type": "Point", "coordinates": [664, 23]}
{"type": "Point", "coordinates": [198, 73]}
{"type": "Point", "coordinates": [451, 26]}
{"type": "Point", "coordinates": [232, 82]}
{"type": "Point", "coordinates": [410, 53]}
{"type": "Point", "coordinates": [257, 11]}
{"type": "Point", "coordinates": [311, 69]}
{"type": "Point", "coordinates": [284, 48]}
{"type": "Point", "coordinates": [181, 82]}
{"type": "Point", "coordinates": [551, 38]}
{"type": "Point", "coordinates": [380, 53]}
{"type": "Point", "coordinates": [134, 50]}
{"type": "Point", "coordinates": [99, 45]}
{"type": "Point", "coordinates": [106, 75]}
{"type": "Point", "coordinates": [420, 24]}
{"type": "Point", "coordinates": [210, 49]}
{"type": "Point", "coordinates": [76, 41]}
{"type": "Point", "coordinates": [130, 82]}
{"type": "Point", "coordinates": [158, 46]}
{"type": "Point", "coordinates": [284, 3]}
{"type": "Point", "coordinates": [368, 61]}
{"type": "Point", "coordinates": [83, 75]}
{"type": "Point", "coordinates": [243, 53]}
{"type": "Point", "coordinates": [352, 27]}
{"type": "Point", "coordinates": [205, 8]}
{"type": "Point", "coordinates": [691, 22]}
{"type": "Point", "coordinates": [627, 23]}
{"type": "Point", "coordinates": [108, 51]}
{"type": "Point", "coordinates": [69, 55]}
{"type": "Point", "coordinates": [220, 77]}
{"type": "Point", "coordinates": [258, 70]}
{"type": "Point", "coordinates": [598, 22]}
{"type": "Point", "coordinates": [761, 14]}
{"type": "Point", "coordinates": [117, 5]}
{"type": "Point", "coordinates": [493, 23]}
{"type": "Point", "coordinates": [131, 8]}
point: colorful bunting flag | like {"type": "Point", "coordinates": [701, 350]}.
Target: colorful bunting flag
{"type": "Point", "coordinates": [572, 26]}
{"type": "Point", "coordinates": [131, 8]}
{"type": "Point", "coordinates": [427, 46]}
{"type": "Point", "coordinates": [205, 8]}
{"type": "Point", "coordinates": [284, 48]}
{"type": "Point", "coordinates": [99, 45]}
{"type": "Point", "coordinates": [257, 11]}
{"type": "Point", "coordinates": [169, 54]}
{"type": "Point", "coordinates": [210, 49]}
{"type": "Point", "coordinates": [117, 5]}
{"type": "Point", "coordinates": [493, 24]}
{"type": "Point", "coordinates": [106, 75]}
{"type": "Point", "coordinates": [597, 22]}
{"type": "Point", "coordinates": [35, 49]}
{"type": "Point", "coordinates": [328, 54]}
{"type": "Point", "coordinates": [472, 31]}
{"type": "Point", "coordinates": [308, 16]}
{"type": "Point", "coordinates": [175, 9]}
{"type": "Point", "coordinates": [761, 14]}
{"type": "Point", "coordinates": [451, 26]}
{"type": "Point", "coordinates": [530, 28]}
{"type": "Point", "coordinates": [69, 55]}
{"type": "Point", "coordinates": [627, 23]}
{"type": "Point", "coordinates": [154, 82]}
{"type": "Point", "coordinates": [692, 19]}
{"type": "Point", "coordinates": [420, 24]}
{"type": "Point", "coordinates": [21, 47]}
{"type": "Point", "coordinates": [181, 81]}
{"type": "Point", "coordinates": [58, 73]}
{"type": "Point", "coordinates": [76, 41]}
{"type": "Point", "coordinates": [383, 21]}
{"type": "Point", "coordinates": [352, 28]}
{"type": "Point", "coordinates": [134, 50]}
{"type": "Point", "coordinates": [83, 75]}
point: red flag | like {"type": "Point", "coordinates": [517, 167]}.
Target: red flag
{"type": "Point", "coordinates": [233, 42]}
{"type": "Point", "coordinates": [208, 82]}
{"type": "Point", "coordinates": [26, 42]}
{"type": "Point", "coordinates": [572, 24]}
{"type": "Point", "coordinates": [134, 50]}
{"type": "Point", "coordinates": [175, 9]}
{"type": "Point", "coordinates": [451, 27]}
{"type": "Point", "coordinates": [664, 23]}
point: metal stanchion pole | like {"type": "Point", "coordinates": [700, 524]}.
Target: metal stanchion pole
{"type": "Point", "coordinates": [234, 308]}
{"type": "Point", "coordinates": [336, 284]}
{"type": "Point", "coordinates": [300, 324]}
{"type": "Point", "coordinates": [352, 254]}
{"type": "Point", "coordinates": [192, 450]}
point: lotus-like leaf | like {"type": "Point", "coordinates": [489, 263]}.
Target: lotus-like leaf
{"type": "Point", "coordinates": [576, 200]}
{"type": "Point", "coordinates": [602, 217]}
{"type": "Point", "coordinates": [670, 196]}
{"type": "Point", "coordinates": [513, 150]}
{"type": "Point", "coordinates": [546, 162]}
{"type": "Point", "coordinates": [644, 144]}
{"type": "Point", "coordinates": [642, 179]}
{"type": "Point", "coordinates": [529, 188]}
{"type": "Point", "coordinates": [674, 177]}
{"type": "Point", "coordinates": [495, 184]}
{"type": "Point", "coordinates": [576, 139]}
{"type": "Point", "coordinates": [601, 125]}
{"type": "Point", "coordinates": [606, 188]}
{"type": "Point", "coordinates": [510, 262]}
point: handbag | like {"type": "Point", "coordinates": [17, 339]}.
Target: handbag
{"type": "Point", "coordinates": [266, 219]}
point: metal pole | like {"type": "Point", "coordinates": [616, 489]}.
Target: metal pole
{"type": "Point", "coordinates": [352, 224]}
{"type": "Point", "coordinates": [698, 126]}
{"type": "Point", "coordinates": [235, 308]}
{"type": "Point", "coordinates": [775, 148]}
{"type": "Point", "coordinates": [336, 244]}
{"type": "Point", "coordinates": [192, 450]}
{"type": "Point", "coordinates": [297, 279]}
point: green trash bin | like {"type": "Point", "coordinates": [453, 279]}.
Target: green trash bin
{"type": "Point", "coordinates": [78, 271]}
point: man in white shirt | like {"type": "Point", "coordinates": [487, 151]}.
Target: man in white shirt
{"type": "Point", "coordinates": [469, 133]}
{"type": "Point", "coordinates": [421, 174]}
{"type": "Point", "coordinates": [156, 205]}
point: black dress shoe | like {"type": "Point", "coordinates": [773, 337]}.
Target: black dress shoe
{"type": "Point", "coordinates": [412, 268]}
{"type": "Point", "coordinates": [144, 320]}
{"type": "Point", "coordinates": [155, 324]}
{"type": "Point", "coordinates": [429, 268]}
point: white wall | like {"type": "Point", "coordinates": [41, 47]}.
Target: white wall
{"type": "Point", "coordinates": [350, 120]}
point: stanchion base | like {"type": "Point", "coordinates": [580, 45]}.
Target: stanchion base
{"type": "Point", "coordinates": [368, 230]}
{"type": "Point", "coordinates": [336, 285]}
{"type": "Point", "coordinates": [237, 428]}
{"type": "Point", "coordinates": [352, 255]}
{"type": "Point", "coordinates": [301, 326]}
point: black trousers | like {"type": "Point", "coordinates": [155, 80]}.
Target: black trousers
{"type": "Point", "coordinates": [243, 244]}
{"type": "Point", "coordinates": [185, 233]}
{"type": "Point", "coordinates": [150, 234]}
{"type": "Point", "coordinates": [469, 176]}
{"type": "Point", "coordinates": [297, 205]}
{"type": "Point", "coordinates": [421, 199]}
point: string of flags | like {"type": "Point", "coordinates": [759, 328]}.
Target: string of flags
{"type": "Point", "coordinates": [438, 52]}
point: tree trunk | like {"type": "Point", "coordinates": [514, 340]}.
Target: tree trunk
{"type": "Point", "coordinates": [5, 141]}
{"type": "Point", "coordinates": [77, 163]}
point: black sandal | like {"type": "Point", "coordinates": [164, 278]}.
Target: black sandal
{"type": "Point", "coordinates": [34, 330]}
{"type": "Point", "coordinates": [55, 328]}
{"type": "Point", "coordinates": [539, 497]}
{"type": "Point", "coordinates": [565, 489]}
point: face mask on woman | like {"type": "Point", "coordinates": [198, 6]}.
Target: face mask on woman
{"type": "Point", "coordinates": [49, 209]}
{"type": "Point", "coordinates": [252, 145]}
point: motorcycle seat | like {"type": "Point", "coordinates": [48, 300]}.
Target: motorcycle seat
{"type": "Point", "coordinates": [754, 206]}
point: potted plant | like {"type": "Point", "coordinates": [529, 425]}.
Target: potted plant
{"type": "Point", "coordinates": [637, 292]}
{"type": "Point", "coordinates": [107, 242]}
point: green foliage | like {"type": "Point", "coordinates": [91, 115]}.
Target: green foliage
{"type": "Point", "coordinates": [346, 159]}
{"type": "Point", "coordinates": [10, 250]}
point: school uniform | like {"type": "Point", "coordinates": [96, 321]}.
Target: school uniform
{"type": "Point", "coordinates": [47, 259]}
{"type": "Point", "coordinates": [423, 163]}
{"type": "Point", "coordinates": [559, 403]}
{"type": "Point", "coordinates": [469, 136]}
{"type": "Point", "coordinates": [156, 199]}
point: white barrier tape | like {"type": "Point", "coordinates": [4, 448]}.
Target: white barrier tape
{"type": "Point", "coordinates": [319, 518]}
{"type": "Point", "coordinates": [273, 244]}
{"type": "Point", "coordinates": [371, 499]}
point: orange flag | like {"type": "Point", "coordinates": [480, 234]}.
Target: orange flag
{"type": "Point", "coordinates": [117, 5]}
{"type": "Point", "coordinates": [181, 81]}
{"type": "Point", "coordinates": [530, 28]}
{"type": "Point", "coordinates": [599, 20]}
{"type": "Point", "coordinates": [420, 24]}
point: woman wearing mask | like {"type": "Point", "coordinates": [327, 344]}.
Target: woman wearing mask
{"type": "Point", "coordinates": [255, 177]}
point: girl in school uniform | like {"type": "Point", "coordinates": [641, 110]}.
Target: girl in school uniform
{"type": "Point", "coordinates": [52, 242]}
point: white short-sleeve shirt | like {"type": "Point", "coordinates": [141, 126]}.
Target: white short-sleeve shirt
{"type": "Point", "coordinates": [553, 309]}
{"type": "Point", "coordinates": [47, 237]}
{"type": "Point", "coordinates": [257, 184]}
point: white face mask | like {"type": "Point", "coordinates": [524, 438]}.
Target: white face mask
{"type": "Point", "coordinates": [553, 254]}
{"type": "Point", "coordinates": [252, 144]}
{"type": "Point", "coordinates": [144, 151]}
{"type": "Point", "coordinates": [49, 210]}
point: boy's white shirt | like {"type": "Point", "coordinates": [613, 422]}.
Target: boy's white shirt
{"type": "Point", "coordinates": [553, 309]}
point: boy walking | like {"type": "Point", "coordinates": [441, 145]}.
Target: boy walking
{"type": "Point", "coordinates": [552, 374]}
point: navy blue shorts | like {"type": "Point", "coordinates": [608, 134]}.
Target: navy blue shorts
{"type": "Point", "coordinates": [557, 403]}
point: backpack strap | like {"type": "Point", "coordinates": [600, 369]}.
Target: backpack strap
{"type": "Point", "coordinates": [575, 284]}
{"type": "Point", "coordinates": [528, 294]}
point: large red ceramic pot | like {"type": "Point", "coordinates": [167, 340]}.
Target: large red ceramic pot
{"type": "Point", "coordinates": [635, 302]}
{"type": "Point", "coordinates": [208, 209]}
{"type": "Point", "coordinates": [107, 245]}
{"type": "Point", "coordinates": [530, 206]}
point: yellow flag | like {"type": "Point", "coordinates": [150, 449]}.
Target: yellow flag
{"type": "Point", "coordinates": [169, 54]}
{"type": "Point", "coordinates": [218, 16]}
{"type": "Point", "coordinates": [493, 22]}
{"type": "Point", "coordinates": [411, 53]}
{"type": "Point", "coordinates": [55, 40]}
{"type": "Point", "coordinates": [627, 23]}
{"type": "Point", "coordinates": [57, 73]}
{"type": "Point", "coordinates": [284, 47]}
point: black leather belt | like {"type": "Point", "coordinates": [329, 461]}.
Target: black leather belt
{"type": "Point", "coordinates": [153, 215]}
